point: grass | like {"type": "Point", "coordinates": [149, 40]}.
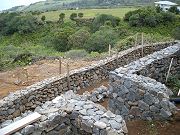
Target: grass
{"type": "Point", "coordinates": [88, 13]}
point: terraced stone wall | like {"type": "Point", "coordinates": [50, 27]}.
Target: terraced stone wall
{"type": "Point", "coordinates": [135, 96]}
{"type": "Point", "coordinates": [31, 97]}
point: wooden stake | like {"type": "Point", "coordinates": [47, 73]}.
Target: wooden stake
{"type": "Point", "coordinates": [136, 39]}
{"type": "Point", "coordinates": [60, 65]}
{"type": "Point", "coordinates": [142, 44]}
{"type": "Point", "coordinates": [117, 58]}
{"type": "Point", "coordinates": [109, 50]}
{"type": "Point", "coordinates": [169, 70]}
{"type": "Point", "coordinates": [68, 79]}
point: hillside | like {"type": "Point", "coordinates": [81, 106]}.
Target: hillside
{"type": "Point", "coordinates": [50, 5]}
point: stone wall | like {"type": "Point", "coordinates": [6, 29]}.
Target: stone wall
{"type": "Point", "coordinates": [138, 97]}
{"type": "Point", "coordinates": [71, 114]}
{"type": "Point", "coordinates": [31, 97]}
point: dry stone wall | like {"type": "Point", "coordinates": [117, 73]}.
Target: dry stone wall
{"type": "Point", "coordinates": [35, 95]}
{"type": "Point", "coordinates": [71, 114]}
{"type": "Point", "coordinates": [138, 97]}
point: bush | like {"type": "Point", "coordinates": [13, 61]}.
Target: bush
{"type": "Point", "coordinates": [148, 17]}
{"type": "Point", "coordinates": [73, 16]}
{"type": "Point", "coordinates": [80, 15]}
{"type": "Point", "coordinates": [174, 9]}
{"type": "Point", "coordinates": [102, 19]}
{"type": "Point", "coordinates": [176, 33]}
{"type": "Point", "coordinates": [78, 39]}
{"type": "Point", "coordinates": [74, 54]}
{"type": "Point", "coordinates": [100, 40]}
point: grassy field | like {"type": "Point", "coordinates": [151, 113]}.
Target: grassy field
{"type": "Point", "coordinates": [88, 13]}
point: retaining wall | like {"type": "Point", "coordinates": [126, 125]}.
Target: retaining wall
{"type": "Point", "coordinates": [71, 114]}
{"type": "Point", "coordinates": [35, 95]}
{"type": "Point", "coordinates": [138, 97]}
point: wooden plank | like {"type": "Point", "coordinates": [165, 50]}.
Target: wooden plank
{"type": "Point", "coordinates": [20, 124]}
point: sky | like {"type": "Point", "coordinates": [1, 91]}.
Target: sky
{"type": "Point", "coordinates": [6, 4]}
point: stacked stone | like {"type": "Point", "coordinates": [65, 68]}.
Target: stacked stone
{"type": "Point", "coordinates": [31, 97]}
{"type": "Point", "coordinates": [137, 97]}
{"type": "Point", "coordinates": [74, 114]}
{"type": "Point", "coordinates": [98, 95]}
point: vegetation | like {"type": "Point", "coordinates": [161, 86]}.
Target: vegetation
{"type": "Point", "coordinates": [174, 83]}
{"type": "Point", "coordinates": [24, 36]}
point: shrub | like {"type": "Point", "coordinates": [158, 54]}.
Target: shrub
{"type": "Point", "coordinates": [148, 17]}
{"type": "Point", "coordinates": [74, 54]}
{"type": "Point", "coordinates": [73, 16]}
{"type": "Point", "coordinates": [43, 18]}
{"type": "Point", "coordinates": [61, 17]}
{"type": "Point", "coordinates": [102, 19]}
{"type": "Point", "coordinates": [176, 33]}
{"type": "Point", "coordinates": [100, 40]}
{"type": "Point", "coordinates": [174, 9]}
{"type": "Point", "coordinates": [80, 15]}
{"type": "Point", "coordinates": [78, 39]}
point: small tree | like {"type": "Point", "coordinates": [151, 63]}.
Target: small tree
{"type": "Point", "coordinates": [176, 33]}
{"type": "Point", "coordinates": [61, 17]}
{"type": "Point", "coordinates": [80, 15]}
{"type": "Point", "coordinates": [73, 16]}
{"type": "Point", "coordinates": [43, 18]}
{"type": "Point", "coordinates": [174, 9]}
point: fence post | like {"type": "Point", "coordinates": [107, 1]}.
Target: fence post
{"type": "Point", "coordinates": [109, 50]}
{"type": "Point", "coordinates": [169, 70]}
{"type": "Point", "coordinates": [60, 65]}
{"type": "Point", "coordinates": [142, 44]}
{"type": "Point", "coordinates": [68, 79]}
{"type": "Point", "coordinates": [136, 38]}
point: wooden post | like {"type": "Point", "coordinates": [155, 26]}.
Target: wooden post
{"type": "Point", "coordinates": [60, 65]}
{"type": "Point", "coordinates": [109, 50]}
{"type": "Point", "coordinates": [142, 44]}
{"type": "Point", "coordinates": [68, 79]}
{"type": "Point", "coordinates": [136, 38]}
{"type": "Point", "coordinates": [169, 70]}
{"type": "Point", "coordinates": [116, 58]}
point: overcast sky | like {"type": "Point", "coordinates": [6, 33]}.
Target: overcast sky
{"type": "Point", "coordinates": [6, 4]}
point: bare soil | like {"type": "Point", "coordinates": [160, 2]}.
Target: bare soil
{"type": "Point", "coordinates": [19, 78]}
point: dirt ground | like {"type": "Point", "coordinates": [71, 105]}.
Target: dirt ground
{"type": "Point", "coordinates": [22, 77]}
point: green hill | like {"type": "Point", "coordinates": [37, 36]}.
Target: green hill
{"type": "Point", "coordinates": [50, 5]}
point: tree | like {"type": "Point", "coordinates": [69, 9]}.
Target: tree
{"type": "Point", "coordinates": [43, 18]}
{"type": "Point", "coordinates": [102, 19]}
{"type": "Point", "coordinates": [73, 16]}
{"type": "Point", "coordinates": [61, 17]}
{"type": "Point", "coordinates": [100, 40]}
{"type": "Point", "coordinates": [174, 9]}
{"type": "Point", "coordinates": [78, 39]}
{"type": "Point", "coordinates": [80, 15]}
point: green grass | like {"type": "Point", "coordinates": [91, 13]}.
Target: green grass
{"type": "Point", "coordinates": [88, 13]}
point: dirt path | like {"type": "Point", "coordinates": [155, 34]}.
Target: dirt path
{"type": "Point", "coordinates": [9, 81]}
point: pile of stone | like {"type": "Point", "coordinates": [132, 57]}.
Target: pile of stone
{"type": "Point", "coordinates": [98, 95]}
{"type": "Point", "coordinates": [74, 114]}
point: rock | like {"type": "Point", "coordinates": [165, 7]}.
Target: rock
{"type": "Point", "coordinates": [114, 124]}
{"type": "Point", "coordinates": [83, 112]}
{"type": "Point", "coordinates": [109, 114]}
{"type": "Point", "coordinates": [6, 123]}
{"type": "Point", "coordinates": [100, 124]}
{"type": "Point", "coordinates": [165, 114]}
{"type": "Point", "coordinates": [154, 109]}
{"type": "Point", "coordinates": [149, 99]}
{"type": "Point", "coordinates": [10, 111]}
{"type": "Point", "coordinates": [28, 130]}
{"type": "Point", "coordinates": [142, 105]}
{"type": "Point", "coordinates": [16, 113]}
{"type": "Point", "coordinates": [86, 126]}
{"type": "Point", "coordinates": [164, 104]}
{"type": "Point", "coordinates": [118, 118]}
{"type": "Point", "coordinates": [135, 111]}
{"type": "Point", "coordinates": [125, 110]}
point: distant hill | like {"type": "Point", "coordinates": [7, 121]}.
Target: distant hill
{"type": "Point", "coordinates": [49, 5]}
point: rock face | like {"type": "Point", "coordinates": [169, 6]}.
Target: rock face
{"type": "Point", "coordinates": [46, 90]}
{"type": "Point", "coordinates": [135, 96]}
{"type": "Point", "coordinates": [60, 116]}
